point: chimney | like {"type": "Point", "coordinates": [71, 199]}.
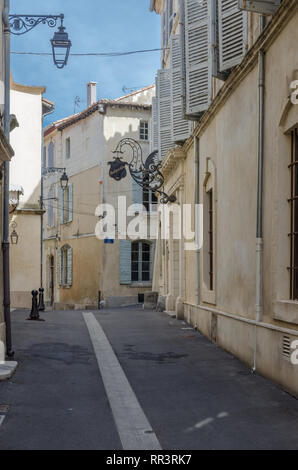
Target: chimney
{"type": "Point", "coordinates": [91, 93]}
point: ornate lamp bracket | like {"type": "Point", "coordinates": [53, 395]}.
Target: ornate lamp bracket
{"type": "Point", "coordinates": [147, 175]}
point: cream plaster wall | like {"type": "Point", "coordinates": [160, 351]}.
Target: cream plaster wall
{"type": "Point", "coordinates": [230, 140]}
{"type": "Point", "coordinates": [92, 140]}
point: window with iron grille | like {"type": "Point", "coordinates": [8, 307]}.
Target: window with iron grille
{"type": "Point", "coordinates": [141, 262]}
{"type": "Point", "coordinates": [144, 131]}
{"type": "Point", "coordinates": [293, 201]}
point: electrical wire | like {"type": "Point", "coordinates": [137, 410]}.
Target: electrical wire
{"type": "Point", "coordinates": [92, 54]}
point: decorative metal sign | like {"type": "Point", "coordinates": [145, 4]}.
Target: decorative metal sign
{"type": "Point", "coordinates": [147, 175]}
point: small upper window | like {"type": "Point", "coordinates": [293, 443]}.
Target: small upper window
{"type": "Point", "coordinates": [144, 131]}
{"type": "Point", "coordinates": [51, 150]}
{"type": "Point", "coordinates": [67, 148]}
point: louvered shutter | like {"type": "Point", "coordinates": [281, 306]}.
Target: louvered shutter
{"type": "Point", "coordinates": [198, 56]}
{"type": "Point", "coordinates": [125, 261]}
{"type": "Point", "coordinates": [180, 127]}
{"type": "Point", "coordinates": [70, 203]}
{"type": "Point", "coordinates": [164, 112]}
{"type": "Point", "coordinates": [60, 267]}
{"type": "Point", "coordinates": [154, 125]}
{"type": "Point", "coordinates": [266, 7]}
{"type": "Point", "coordinates": [232, 25]}
{"type": "Point", "coordinates": [61, 206]}
{"type": "Point", "coordinates": [69, 266]}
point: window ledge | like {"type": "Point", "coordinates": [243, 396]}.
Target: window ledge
{"type": "Point", "coordinates": [65, 286]}
{"type": "Point", "coordinates": [141, 284]}
{"type": "Point", "coordinates": [286, 310]}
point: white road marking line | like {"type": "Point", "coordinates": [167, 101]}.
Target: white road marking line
{"type": "Point", "coordinates": [2, 418]}
{"type": "Point", "coordinates": [133, 426]}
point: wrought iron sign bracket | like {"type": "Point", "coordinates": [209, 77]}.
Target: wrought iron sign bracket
{"type": "Point", "coordinates": [22, 24]}
{"type": "Point", "coordinates": [147, 175]}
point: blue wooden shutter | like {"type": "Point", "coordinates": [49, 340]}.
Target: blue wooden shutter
{"type": "Point", "coordinates": [125, 261]}
{"type": "Point", "coordinates": [60, 267]}
{"type": "Point", "coordinates": [70, 203]}
{"type": "Point", "coordinates": [69, 266]}
{"type": "Point", "coordinates": [61, 206]}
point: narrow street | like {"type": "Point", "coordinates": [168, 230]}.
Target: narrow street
{"type": "Point", "coordinates": [190, 393]}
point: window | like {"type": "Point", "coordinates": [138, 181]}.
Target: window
{"type": "Point", "coordinates": [208, 258]}
{"type": "Point", "coordinates": [293, 201]}
{"type": "Point", "coordinates": [141, 270]}
{"type": "Point", "coordinates": [65, 269]}
{"type": "Point", "coordinates": [51, 150]}
{"type": "Point", "coordinates": [144, 131]}
{"type": "Point", "coordinates": [210, 239]}
{"type": "Point", "coordinates": [66, 204]}
{"type": "Point", "coordinates": [67, 148]}
{"type": "Point", "coordinates": [150, 200]}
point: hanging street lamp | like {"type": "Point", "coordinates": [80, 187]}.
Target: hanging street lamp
{"type": "Point", "coordinates": [64, 180]}
{"type": "Point", "coordinates": [61, 44]}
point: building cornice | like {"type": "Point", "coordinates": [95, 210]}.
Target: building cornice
{"type": "Point", "coordinates": [264, 41]}
{"type": "Point", "coordinates": [172, 159]}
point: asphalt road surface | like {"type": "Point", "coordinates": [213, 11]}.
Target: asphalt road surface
{"type": "Point", "coordinates": [131, 379]}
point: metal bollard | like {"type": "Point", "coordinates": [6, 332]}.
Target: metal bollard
{"type": "Point", "coordinates": [34, 315]}
{"type": "Point", "coordinates": [41, 306]}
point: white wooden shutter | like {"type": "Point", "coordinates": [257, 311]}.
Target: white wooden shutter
{"type": "Point", "coordinates": [125, 261]}
{"type": "Point", "coordinates": [60, 264]}
{"type": "Point", "coordinates": [232, 24]}
{"type": "Point", "coordinates": [70, 203]}
{"type": "Point", "coordinates": [69, 266]}
{"type": "Point", "coordinates": [164, 111]}
{"type": "Point", "coordinates": [266, 7]}
{"type": "Point", "coordinates": [154, 125]}
{"type": "Point", "coordinates": [61, 206]}
{"type": "Point", "coordinates": [180, 127]}
{"type": "Point", "coordinates": [198, 56]}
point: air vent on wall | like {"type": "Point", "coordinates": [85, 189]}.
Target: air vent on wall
{"type": "Point", "coordinates": [286, 346]}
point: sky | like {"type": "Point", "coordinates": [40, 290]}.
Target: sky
{"type": "Point", "coordinates": [93, 26]}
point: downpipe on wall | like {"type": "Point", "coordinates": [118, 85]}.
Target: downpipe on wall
{"type": "Point", "coordinates": [197, 197]}
{"type": "Point", "coordinates": [5, 243]}
{"type": "Point", "coordinates": [260, 184]}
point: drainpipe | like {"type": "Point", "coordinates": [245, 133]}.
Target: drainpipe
{"type": "Point", "coordinates": [259, 231]}
{"type": "Point", "coordinates": [5, 243]}
{"type": "Point", "coordinates": [197, 198]}
{"type": "Point", "coordinates": [43, 115]}
{"type": "Point", "coordinates": [182, 49]}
